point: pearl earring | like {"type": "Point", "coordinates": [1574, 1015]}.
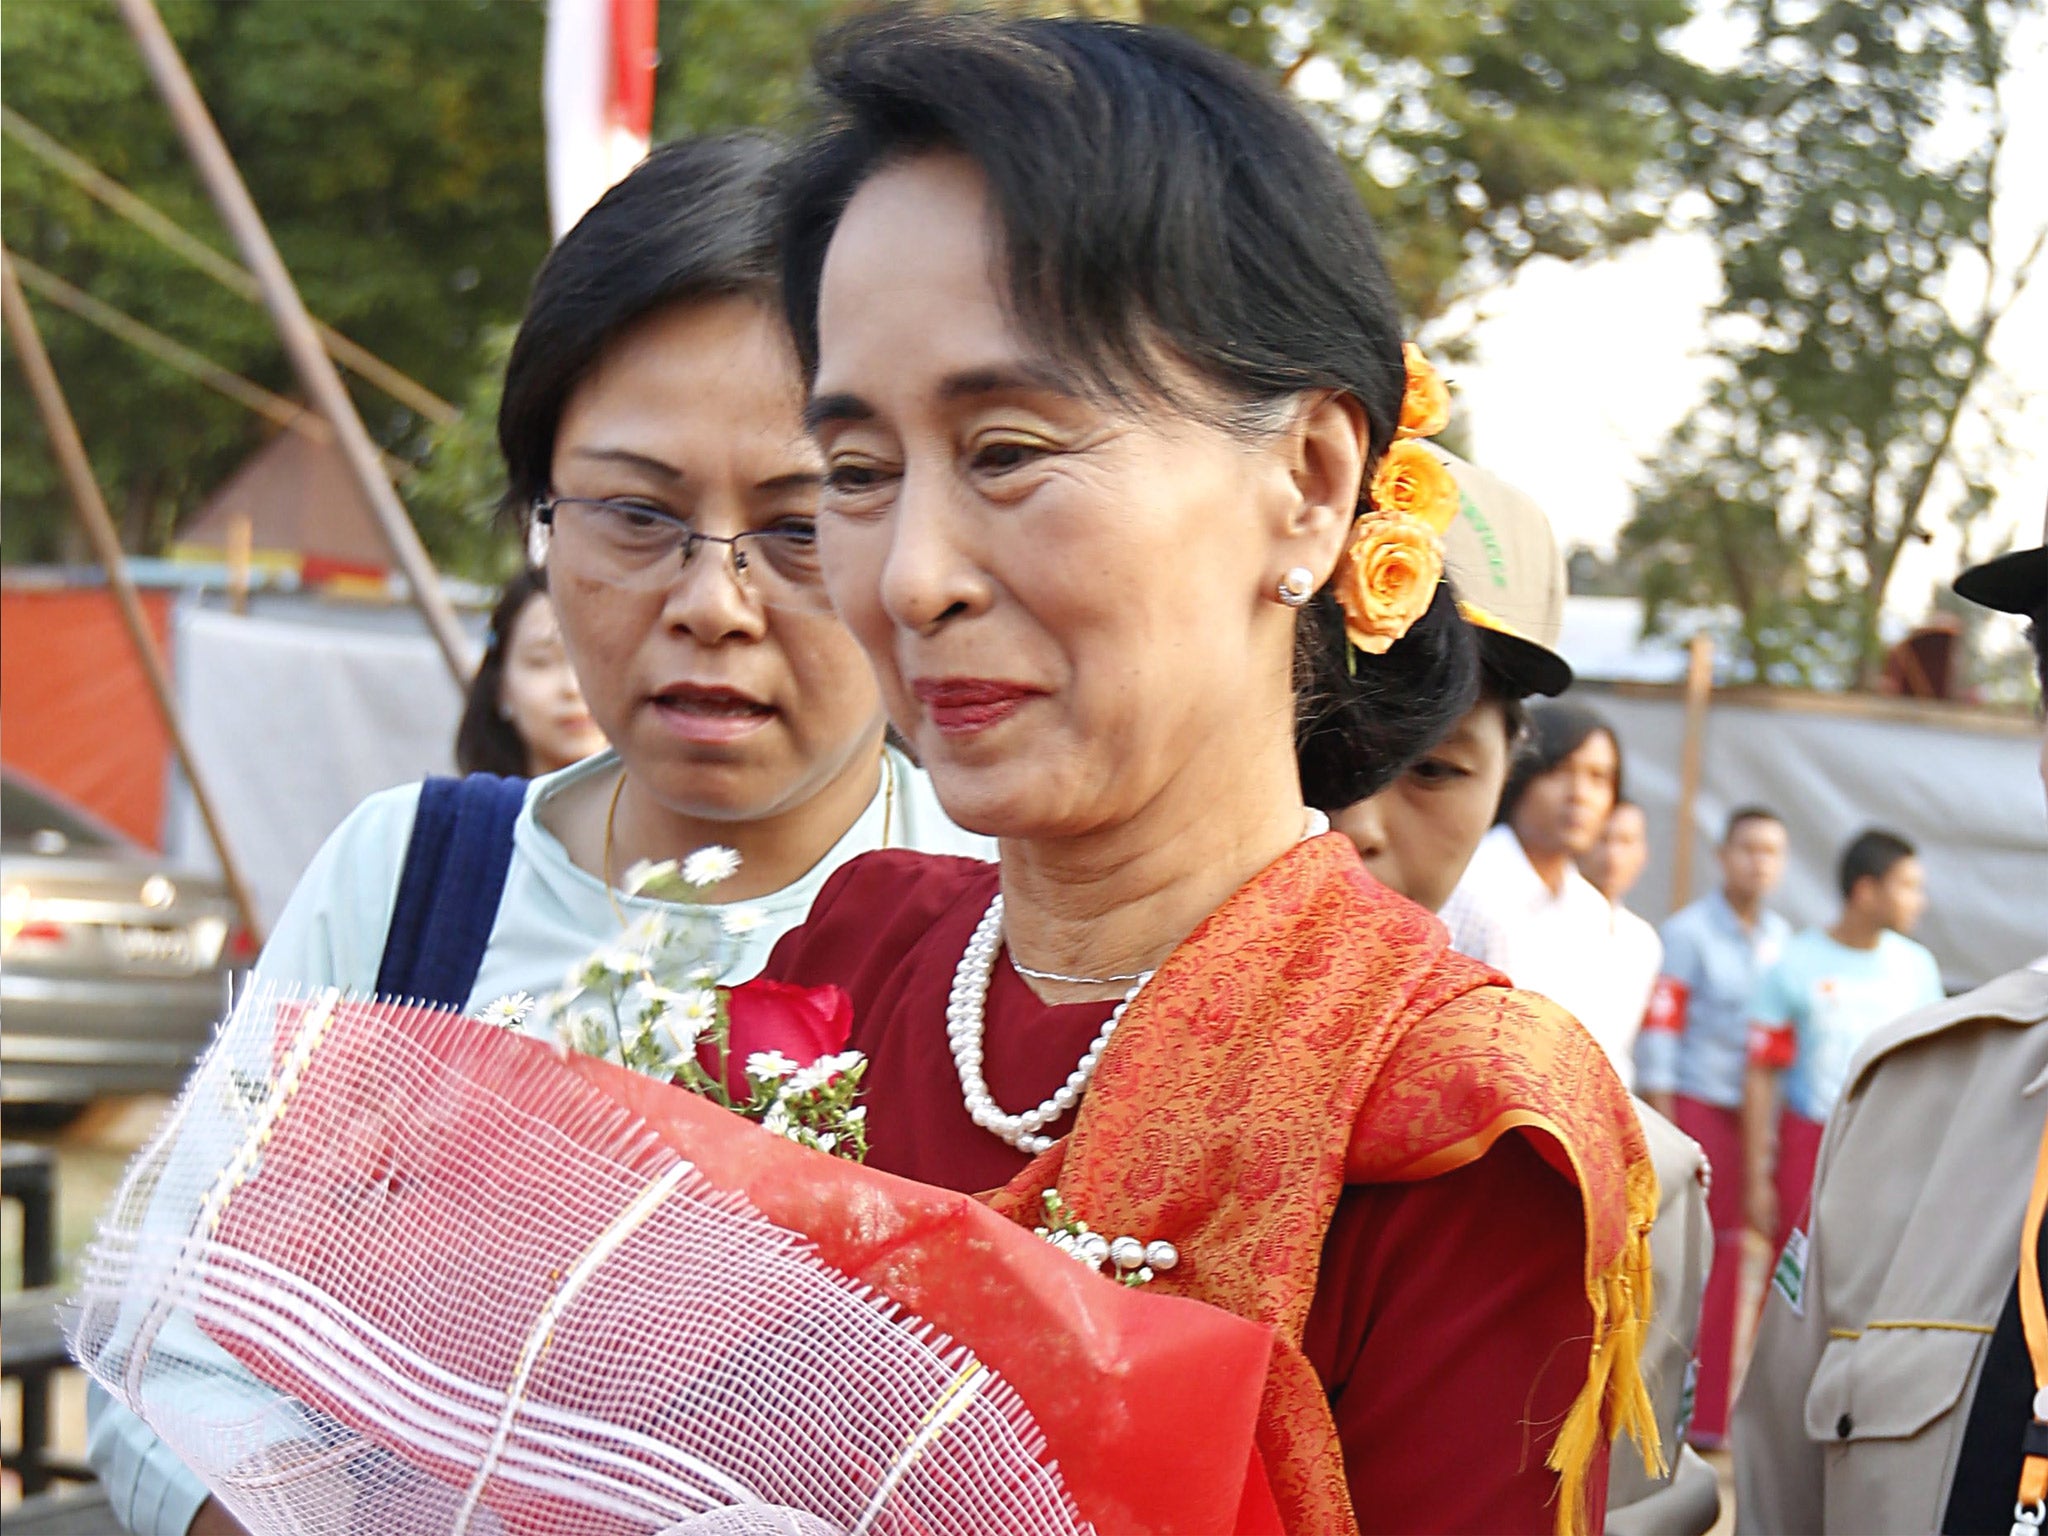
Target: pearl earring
{"type": "Point", "coordinates": [1297, 586]}
{"type": "Point", "coordinates": [537, 541]}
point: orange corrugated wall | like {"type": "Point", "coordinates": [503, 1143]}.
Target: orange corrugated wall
{"type": "Point", "coordinates": [75, 707]}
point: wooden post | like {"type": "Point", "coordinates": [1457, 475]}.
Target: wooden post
{"type": "Point", "coordinates": [92, 512]}
{"type": "Point", "coordinates": [316, 371]}
{"type": "Point", "coordinates": [1699, 688]}
{"type": "Point", "coordinates": [241, 547]}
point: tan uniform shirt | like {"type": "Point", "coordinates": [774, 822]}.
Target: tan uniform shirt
{"type": "Point", "coordinates": [1685, 1501]}
{"type": "Point", "coordinates": [1867, 1358]}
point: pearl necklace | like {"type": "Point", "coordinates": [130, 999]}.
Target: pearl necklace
{"type": "Point", "coordinates": [967, 1020]}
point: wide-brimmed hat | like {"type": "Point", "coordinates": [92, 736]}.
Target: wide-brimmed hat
{"type": "Point", "coordinates": [2013, 583]}
{"type": "Point", "coordinates": [1503, 560]}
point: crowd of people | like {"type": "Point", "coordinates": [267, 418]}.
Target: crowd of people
{"type": "Point", "coordinates": [1049, 404]}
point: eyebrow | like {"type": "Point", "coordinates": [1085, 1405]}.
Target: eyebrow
{"type": "Point", "coordinates": [627, 456]}
{"type": "Point", "coordinates": [1007, 378]}
{"type": "Point", "coordinates": [795, 480]}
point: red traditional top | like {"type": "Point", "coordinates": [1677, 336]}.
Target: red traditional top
{"type": "Point", "coordinates": [1450, 1324]}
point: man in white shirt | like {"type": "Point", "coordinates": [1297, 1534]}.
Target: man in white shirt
{"type": "Point", "coordinates": [1614, 864]}
{"type": "Point", "coordinates": [1524, 907]}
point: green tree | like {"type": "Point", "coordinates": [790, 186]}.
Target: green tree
{"type": "Point", "coordinates": [394, 147]}
{"type": "Point", "coordinates": [1482, 132]}
{"type": "Point", "coordinates": [1864, 287]}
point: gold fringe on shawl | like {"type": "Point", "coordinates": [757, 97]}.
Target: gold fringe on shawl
{"type": "Point", "coordinates": [1614, 1398]}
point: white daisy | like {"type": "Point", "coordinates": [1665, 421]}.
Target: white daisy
{"type": "Point", "coordinates": [708, 866]}
{"type": "Point", "coordinates": [645, 872]}
{"type": "Point", "coordinates": [508, 1012]}
{"type": "Point", "coordinates": [769, 1066]}
{"type": "Point", "coordinates": [740, 921]}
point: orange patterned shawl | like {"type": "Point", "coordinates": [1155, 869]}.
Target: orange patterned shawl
{"type": "Point", "coordinates": [1317, 1030]}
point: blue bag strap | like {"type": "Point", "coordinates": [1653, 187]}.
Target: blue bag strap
{"type": "Point", "coordinates": [450, 887]}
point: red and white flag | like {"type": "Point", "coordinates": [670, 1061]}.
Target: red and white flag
{"type": "Point", "coordinates": [597, 94]}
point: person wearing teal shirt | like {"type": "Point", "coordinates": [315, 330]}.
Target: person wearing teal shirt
{"type": "Point", "coordinates": [1828, 993]}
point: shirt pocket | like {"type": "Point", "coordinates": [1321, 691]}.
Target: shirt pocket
{"type": "Point", "coordinates": [1873, 1401]}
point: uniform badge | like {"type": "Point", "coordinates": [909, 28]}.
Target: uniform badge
{"type": "Point", "coordinates": [1790, 1275]}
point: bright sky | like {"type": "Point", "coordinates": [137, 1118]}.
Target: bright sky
{"type": "Point", "coordinates": [1582, 369]}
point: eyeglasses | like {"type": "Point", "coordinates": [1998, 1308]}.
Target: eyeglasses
{"type": "Point", "coordinates": [631, 544]}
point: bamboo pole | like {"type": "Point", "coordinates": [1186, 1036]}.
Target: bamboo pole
{"type": "Point", "coordinates": [96, 184]}
{"type": "Point", "coordinates": [1699, 688]}
{"type": "Point", "coordinates": [92, 512]}
{"type": "Point", "coordinates": [274, 408]}
{"type": "Point", "coordinates": [317, 375]}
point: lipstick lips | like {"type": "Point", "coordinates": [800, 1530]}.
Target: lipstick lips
{"type": "Point", "coordinates": [710, 715]}
{"type": "Point", "coordinates": [960, 706]}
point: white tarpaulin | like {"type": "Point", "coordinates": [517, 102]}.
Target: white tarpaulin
{"type": "Point", "coordinates": [293, 721]}
{"type": "Point", "coordinates": [1961, 785]}
{"type": "Point", "coordinates": [296, 720]}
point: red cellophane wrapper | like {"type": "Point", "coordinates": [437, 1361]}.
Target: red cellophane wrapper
{"type": "Point", "coordinates": [527, 1275]}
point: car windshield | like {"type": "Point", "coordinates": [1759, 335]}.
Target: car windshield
{"type": "Point", "coordinates": [34, 823]}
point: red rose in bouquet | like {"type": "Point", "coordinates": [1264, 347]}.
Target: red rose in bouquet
{"type": "Point", "coordinates": [801, 1023]}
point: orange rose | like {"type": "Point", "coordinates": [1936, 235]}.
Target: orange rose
{"type": "Point", "coordinates": [1426, 401]}
{"type": "Point", "coordinates": [1386, 579]}
{"type": "Point", "coordinates": [1413, 482]}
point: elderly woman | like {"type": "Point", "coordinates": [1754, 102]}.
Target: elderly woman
{"type": "Point", "coordinates": [651, 422]}
{"type": "Point", "coordinates": [1104, 369]}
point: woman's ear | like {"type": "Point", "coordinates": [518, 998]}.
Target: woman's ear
{"type": "Point", "coordinates": [1327, 448]}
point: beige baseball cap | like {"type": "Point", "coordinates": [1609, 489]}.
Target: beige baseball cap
{"type": "Point", "coordinates": [1503, 559]}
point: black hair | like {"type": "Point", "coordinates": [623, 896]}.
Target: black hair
{"type": "Point", "coordinates": [1743, 813]}
{"type": "Point", "coordinates": [1497, 689]}
{"type": "Point", "coordinates": [1556, 731]}
{"type": "Point", "coordinates": [486, 741]}
{"type": "Point", "coordinates": [1871, 855]}
{"type": "Point", "coordinates": [1159, 202]}
{"type": "Point", "coordinates": [693, 220]}
{"type": "Point", "coordinates": [2037, 637]}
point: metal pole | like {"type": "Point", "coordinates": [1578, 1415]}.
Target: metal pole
{"type": "Point", "coordinates": [99, 527]}
{"type": "Point", "coordinates": [1699, 688]}
{"type": "Point", "coordinates": [317, 375]}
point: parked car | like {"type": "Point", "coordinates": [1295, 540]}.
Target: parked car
{"type": "Point", "coordinates": [114, 967]}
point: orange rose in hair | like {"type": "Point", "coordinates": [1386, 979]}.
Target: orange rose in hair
{"type": "Point", "coordinates": [1413, 482]}
{"type": "Point", "coordinates": [1386, 579]}
{"type": "Point", "coordinates": [1426, 401]}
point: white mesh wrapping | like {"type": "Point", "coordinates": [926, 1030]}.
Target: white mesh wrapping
{"type": "Point", "coordinates": [384, 1271]}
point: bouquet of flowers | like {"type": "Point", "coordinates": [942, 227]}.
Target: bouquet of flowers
{"type": "Point", "coordinates": [650, 1001]}
{"type": "Point", "coordinates": [391, 1269]}
{"type": "Point", "coordinates": [388, 1269]}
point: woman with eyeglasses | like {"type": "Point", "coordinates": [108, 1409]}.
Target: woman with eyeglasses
{"type": "Point", "coordinates": [652, 431]}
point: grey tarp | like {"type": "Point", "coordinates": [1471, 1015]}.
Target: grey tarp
{"type": "Point", "coordinates": [1961, 784]}
{"type": "Point", "coordinates": [294, 720]}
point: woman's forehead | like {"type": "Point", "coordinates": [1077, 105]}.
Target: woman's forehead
{"type": "Point", "coordinates": [911, 282]}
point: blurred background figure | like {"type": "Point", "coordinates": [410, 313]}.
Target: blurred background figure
{"type": "Point", "coordinates": [1693, 1055]}
{"type": "Point", "coordinates": [1615, 861]}
{"type": "Point", "coordinates": [1524, 907]}
{"type": "Point", "coordinates": [1830, 991]}
{"type": "Point", "coordinates": [524, 714]}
